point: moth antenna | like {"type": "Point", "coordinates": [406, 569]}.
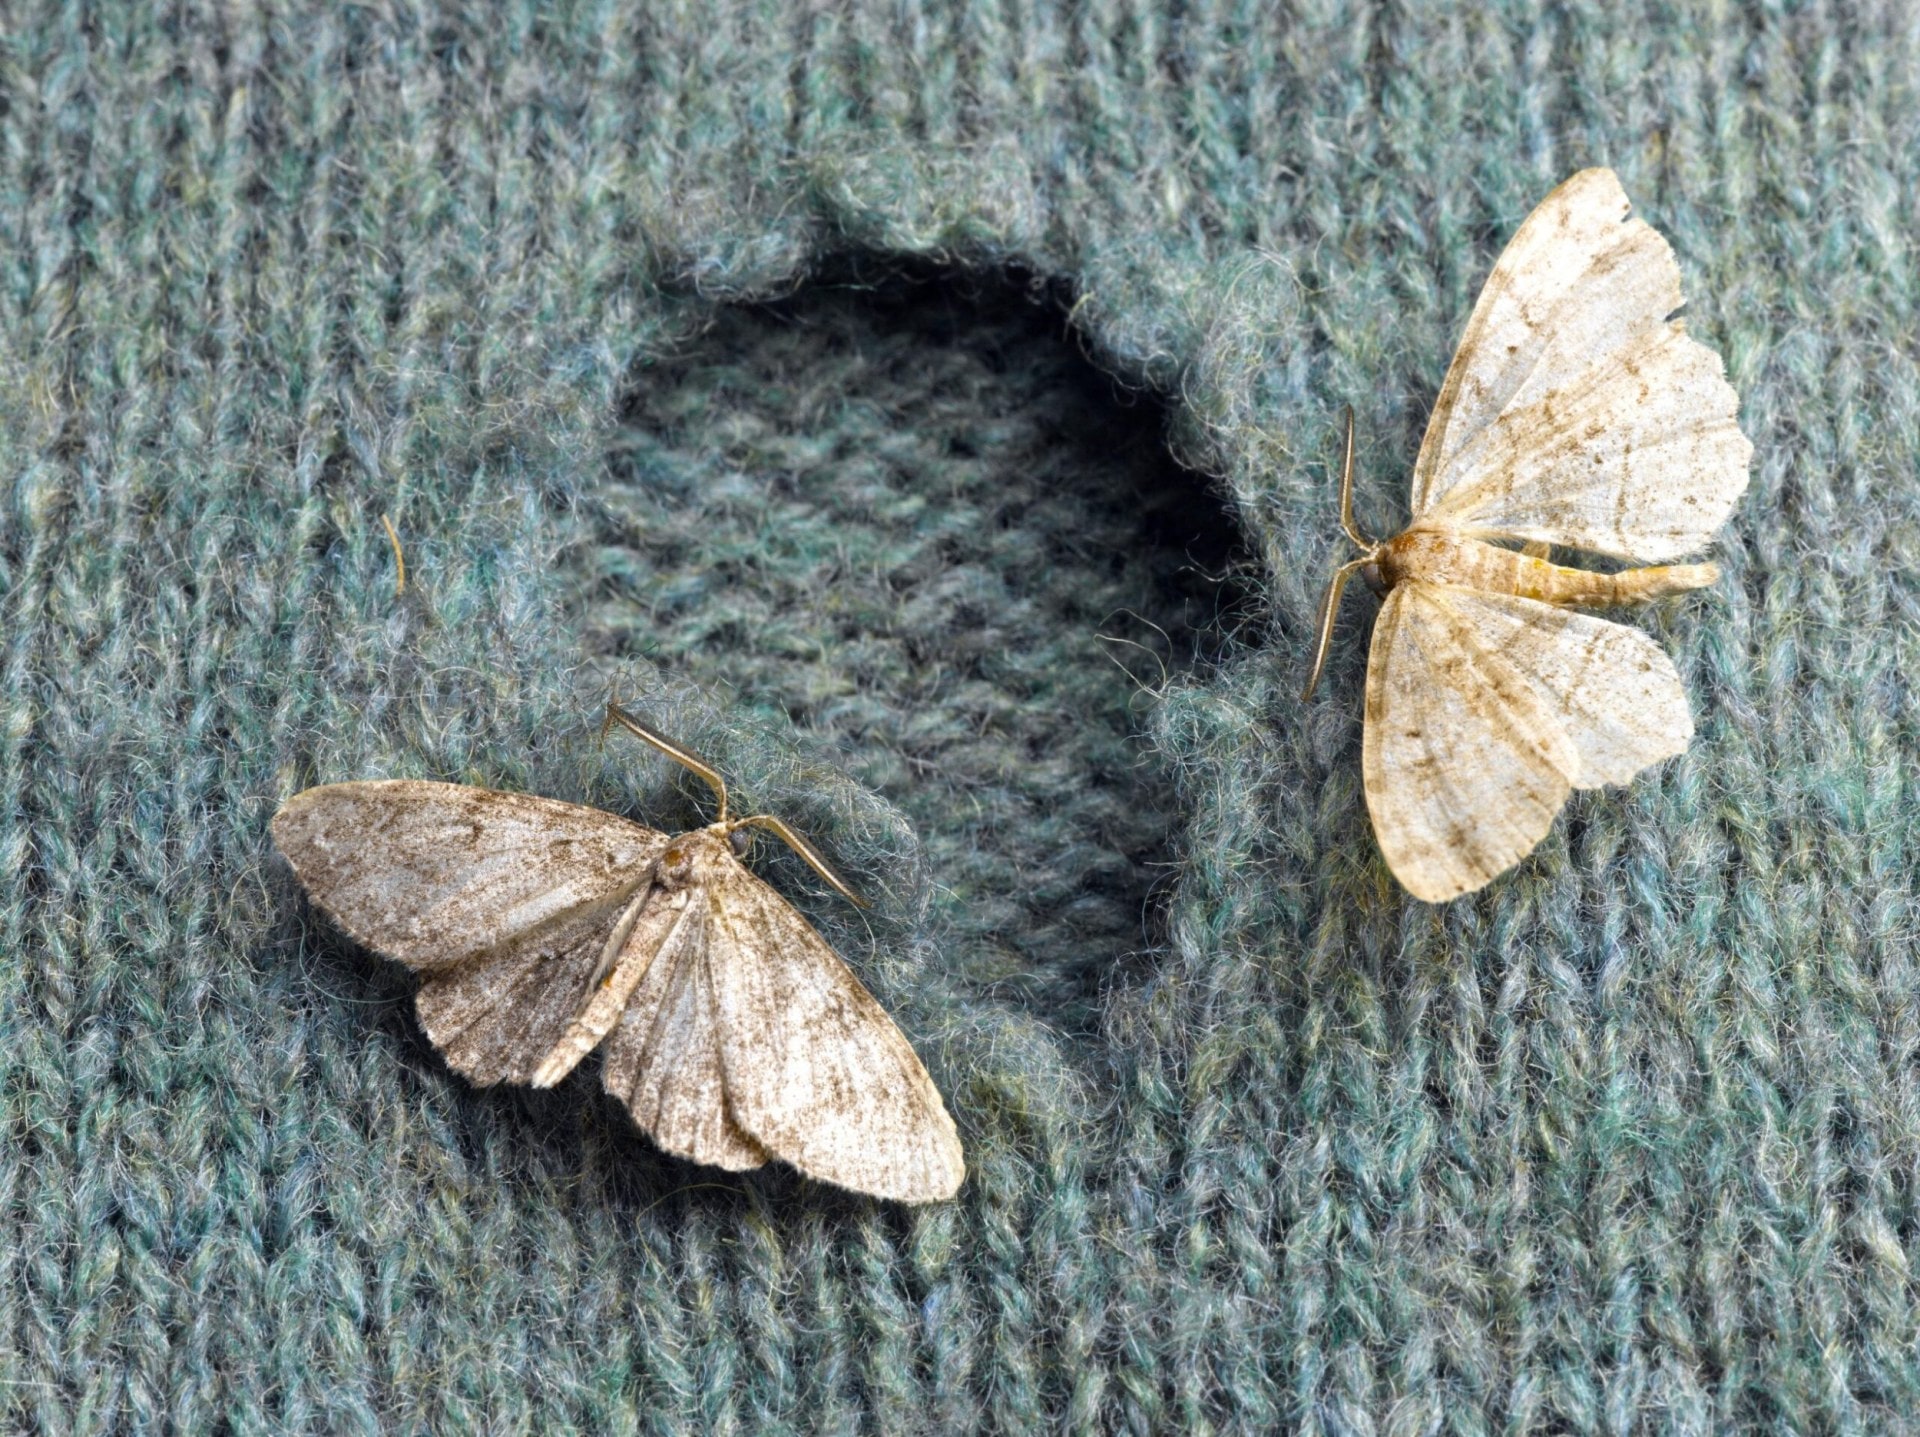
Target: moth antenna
{"type": "Point", "coordinates": [618, 715]}
{"type": "Point", "coordinates": [1346, 492]}
{"type": "Point", "coordinates": [807, 851]}
{"type": "Point", "coordinates": [1329, 606]}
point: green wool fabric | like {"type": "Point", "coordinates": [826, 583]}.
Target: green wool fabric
{"type": "Point", "coordinates": [929, 412]}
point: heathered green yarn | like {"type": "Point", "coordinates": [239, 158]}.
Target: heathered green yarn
{"type": "Point", "coordinates": [1627, 1143]}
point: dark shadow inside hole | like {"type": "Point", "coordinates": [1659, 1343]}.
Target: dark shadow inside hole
{"type": "Point", "coordinates": [902, 509]}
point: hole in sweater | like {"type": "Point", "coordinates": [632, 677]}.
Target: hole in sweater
{"type": "Point", "coordinates": [902, 509]}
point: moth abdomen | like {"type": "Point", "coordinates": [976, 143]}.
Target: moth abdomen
{"type": "Point", "coordinates": [1434, 556]}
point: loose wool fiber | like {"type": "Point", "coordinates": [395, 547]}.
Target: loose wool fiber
{"type": "Point", "coordinates": [832, 378]}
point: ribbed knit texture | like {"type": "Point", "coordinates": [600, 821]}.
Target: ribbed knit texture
{"type": "Point", "coordinates": [1630, 1142]}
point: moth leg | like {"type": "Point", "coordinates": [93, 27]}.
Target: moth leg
{"type": "Point", "coordinates": [1536, 548]}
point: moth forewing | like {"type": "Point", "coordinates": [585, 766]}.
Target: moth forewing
{"type": "Point", "coordinates": [431, 874]}
{"type": "Point", "coordinates": [1464, 766]}
{"type": "Point", "coordinates": [1576, 283]}
{"type": "Point", "coordinates": [622, 930]}
{"type": "Point", "coordinates": [751, 1036]}
{"type": "Point", "coordinates": [1640, 458]}
{"type": "Point", "coordinates": [662, 1061]}
{"type": "Point", "coordinates": [816, 1071]}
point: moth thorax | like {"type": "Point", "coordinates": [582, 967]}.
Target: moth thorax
{"type": "Point", "coordinates": [699, 856]}
{"type": "Point", "coordinates": [679, 862]}
{"type": "Point", "coordinates": [1436, 559]}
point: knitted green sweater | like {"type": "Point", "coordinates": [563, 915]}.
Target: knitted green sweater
{"type": "Point", "coordinates": [928, 413]}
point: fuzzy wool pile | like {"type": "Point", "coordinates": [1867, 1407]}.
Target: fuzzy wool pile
{"type": "Point", "coordinates": [929, 412]}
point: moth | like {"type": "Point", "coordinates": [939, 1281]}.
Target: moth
{"type": "Point", "coordinates": [732, 1032]}
{"type": "Point", "coordinates": [1577, 412]}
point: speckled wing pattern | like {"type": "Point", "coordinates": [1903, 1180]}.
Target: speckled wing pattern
{"type": "Point", "coordinates": [1576, 410]}
{"type": "Point", "coordinates": [747, 1036]}
{"type": "Point", "coordinates": [663, 1059]}
{"type": "Point", "coordinates": [504, 901]}
{"type": "Point", "coordinates": [815, 1069]}
{"type": "Point", "coordinates": [1484, 710]}
{"type": "Point", "coordinates": [732, 1031]}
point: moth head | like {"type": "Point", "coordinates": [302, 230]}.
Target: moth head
{"type": "Point", "coordinates": [1374, 579]}
{"type": "Point", "coordinates": [692, 859]}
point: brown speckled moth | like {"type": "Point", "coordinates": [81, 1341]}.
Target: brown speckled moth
{"type": "Point", "coordinates": [1576, 412]}
{"type": "Point", "coordinates": [732, 1031]}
